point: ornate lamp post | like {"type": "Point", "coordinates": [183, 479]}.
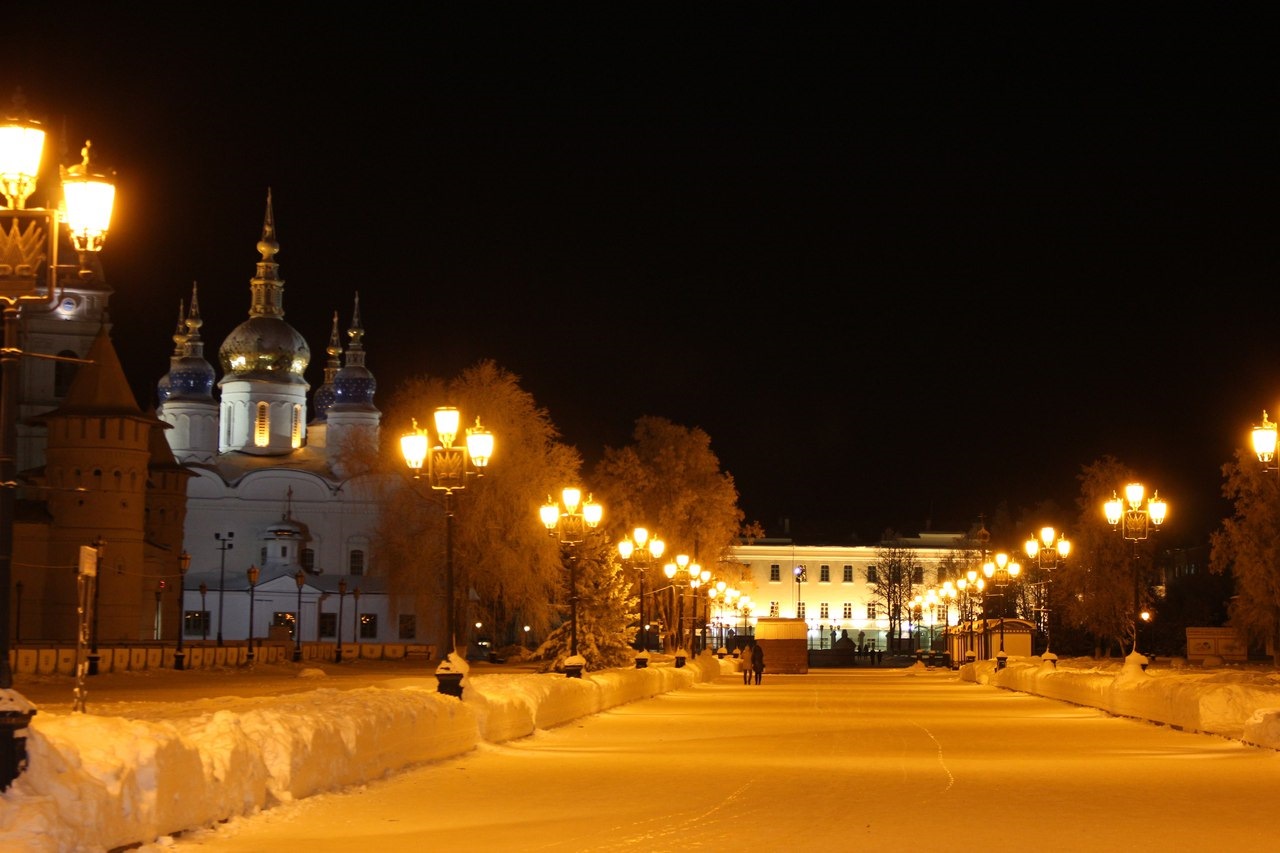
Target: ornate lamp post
{"type": "Point", "coordinates": [1135, 517]}
{"type": "Point", "coordinates": [253, 573]}
{"type": "Point", "coordinates": [29, 242]}
{"type": "Point", "coordinates": [681, 574]}
{"type": "Point", "coordinates": [180, 655]}
{"type": "Point", "coordinates": [204, 613]}
{"type": "Point", "coordinates": [1001, 572]}
{"type": "Point", "coordinates": [971, 586]}
{"type": "Point", "coordinates": [641, 551]}
{"type": "Point", "coordinates": [301, 580]}
{"type": "Point", "coordinates": [224, 545]}
{"type": "Point", "coordinates": [447, 466]}
{"type": "Point", "coordinates": [1047, 551]}
{"type": "Point", "coordinates": [802, 576]}
{"type": "Point", "coordinates": [695, 583]}
{"type": "Point", "coordinates": [570, 520]}
{"type": "Point", "coordinates": [1264, 441]}
{"type": "Point", "coordinates": [355, 619]}
{"type": "Point", "coordinates": [342, 593]}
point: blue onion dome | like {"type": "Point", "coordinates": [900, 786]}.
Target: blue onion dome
{"type": "Point", "coordinates": [265, 346]}
{"type": "Point", "coordinates": [191, 376]}
{"type": "Point", "coordinates": [354, 385]}
{"type": "Point", "coordinates": [325, 395]}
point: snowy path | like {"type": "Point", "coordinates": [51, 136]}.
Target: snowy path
{"type": "Point", "coordinates": [867, 760]}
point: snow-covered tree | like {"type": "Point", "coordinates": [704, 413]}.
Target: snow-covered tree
{"type": "Point", "coordinates": [606, 611]}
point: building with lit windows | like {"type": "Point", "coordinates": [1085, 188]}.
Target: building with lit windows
{"type": "Point", "coordinates": [831, 587]}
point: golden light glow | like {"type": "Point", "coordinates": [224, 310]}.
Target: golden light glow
{"type": "Point", "coordinates": [1264, 439]}
{"type": "Point", "coordinates": [479, 444]}
{"type": "Point", "coordinates": [21, 147]}
{"type": "Point", "coordinates": [447, 418]}
{"type": "Point", "coordinates": [413, 446]}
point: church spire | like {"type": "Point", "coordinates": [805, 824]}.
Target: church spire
{"type": "Point", "coordinates": [325, 394]}
{"type": "Point", "coordinates": [266, 287]}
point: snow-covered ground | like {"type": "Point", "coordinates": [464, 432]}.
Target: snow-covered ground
{"type": "Point", "coordinates": [145, 770]}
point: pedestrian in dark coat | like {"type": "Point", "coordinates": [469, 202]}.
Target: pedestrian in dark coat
{"type": "Point", "coordinates": [757, 661]}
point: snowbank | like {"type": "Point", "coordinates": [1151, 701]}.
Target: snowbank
{"type": "Point", "coordinates": [95, 783]}
{"type": "Point", "coordinates": [1236, 702]}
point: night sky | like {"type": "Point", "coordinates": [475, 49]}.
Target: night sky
{"type": "Point", "coordinates": [900, 269]}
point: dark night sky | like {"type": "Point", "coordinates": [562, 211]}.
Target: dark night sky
{"type": "Point", "coordinates": [901, 269]}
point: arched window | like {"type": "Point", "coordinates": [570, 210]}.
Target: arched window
{"type": "Point", "coordinates": [355, 563]}
{"type": "Point", "coordinates": [262, 426]}
{"type": "Point", "coordinates": [295, 431]}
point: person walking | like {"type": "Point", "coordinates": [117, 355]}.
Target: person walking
{"type": "Point", "coordinates": [757, 661]}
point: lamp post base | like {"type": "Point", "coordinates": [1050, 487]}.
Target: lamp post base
{"type": "Point", "coordinates": [93, 663]}
{"type": "Point", "coordinates": [449, 683]}
{"type": "Point", "coordinates": [179, 660]}
{"type": "Point", "coordinates": [15, 714]}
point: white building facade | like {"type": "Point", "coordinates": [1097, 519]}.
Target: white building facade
{"type": "Point", "coordinates": [829, 587]}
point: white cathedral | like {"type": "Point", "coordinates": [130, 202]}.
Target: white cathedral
{"type": "Point", "coordinates": [271, 488]}
{"type": "Point", "coordinates": [229, 513]}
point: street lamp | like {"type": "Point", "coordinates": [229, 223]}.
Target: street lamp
{"type": "Point", "coordinates": [253, 573]}
{"type": "Point", "coordinates": [689, 571]}
{"type": "Point", "coordinates": [801, 577]}
{"type": "Point", "coordinates": [1134, 520]}
{"type": "Point", "coordinates": [570, 520]}
{"type": "Point", "coordinates": [180, 655]}
{"type": "Point", "coordinates": [1135, 517]}
{"type": "Point", "coordinates": [640, 550]}
{"type": "Point", "coordinates": [29, 244]}
{"type": "Point", "coordinates": [1047, 550]}
{"type": "Point", "coordinates": [300, 579]}
{"type": "Point", "coordinates": [971, 587]}
{"type": "Point", "coordinates": [1264, 442]}
{"type": "Point", "coordinates": [224, 545]}
{"type": "Point", "coordinates": [204, 613]}
{"type": "Point", "coordinates": [696, 580]}
{"type": "Point", "coordinates": [342, 593]}
{"type": "Point", "coordinates": [448, 467]}
{"type": "Point", "coordinates": [355, 619]}
{"type": "Point", "coordinates": [1002, 572]}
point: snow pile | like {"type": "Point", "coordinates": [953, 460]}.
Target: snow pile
{"type": "Point", "coordinates": [1241, 703]}
{"type": "Point", "coordinates": [98, 782]}
{"type": "Point", "coordinates": [95, 783]}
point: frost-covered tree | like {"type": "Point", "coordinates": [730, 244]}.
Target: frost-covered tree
{"type": "Point", "coordinates": [606, 608]}
{"type": "Point", "coordinates": [1248, 546]}
{"type": "Point", "coordinates": [1107, 580]}
{"type": "Point", "coordinates": [504, 575]}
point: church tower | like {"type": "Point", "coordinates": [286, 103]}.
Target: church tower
{"type": "Point", "coordinates": [264, 393]}
{"type": "Point", "coordinates": [185, 393]}
{"type": "Point", "coordinates": [352, 418]}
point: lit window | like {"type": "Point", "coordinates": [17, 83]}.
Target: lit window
{"type": "Point", "coordinates": [295, 431]}
{"type": "Point", "coordinates": [262, 426]}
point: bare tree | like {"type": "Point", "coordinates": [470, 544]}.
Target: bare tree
{"type": "Point", "coordinates": [892, 582]}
